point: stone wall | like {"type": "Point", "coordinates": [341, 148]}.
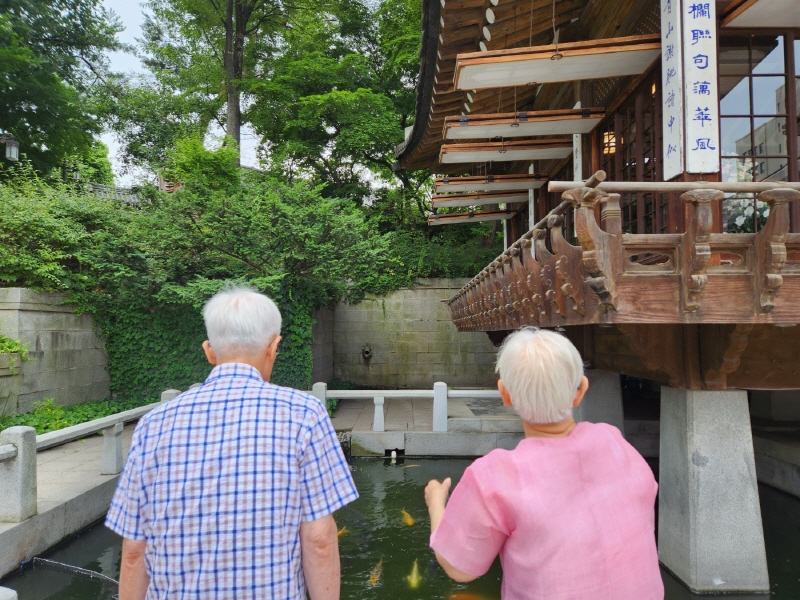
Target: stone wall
{"type": "Point", "coordinates": [414, 343]}
{"type": "Point", "coordinates": [322, 347]}
{"type": "Point", "coordinates": [67, 363]}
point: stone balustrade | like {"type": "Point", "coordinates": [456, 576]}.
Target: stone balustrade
{"type": "Point", "coordinates": [19, 445]}
{"type": "Point", "coordinates": [440, 394]}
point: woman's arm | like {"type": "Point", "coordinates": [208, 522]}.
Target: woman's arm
{"type": "Point", "coordinates": [436, 497]}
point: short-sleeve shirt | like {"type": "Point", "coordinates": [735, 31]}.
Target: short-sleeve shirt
{"type": "Point", "coordinates": [218, 481]}
{"type": "Point", "coordinates": [573, 518]}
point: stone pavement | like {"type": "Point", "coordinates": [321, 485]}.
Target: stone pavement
{"type": "Point", "coordinates": [71, 494]}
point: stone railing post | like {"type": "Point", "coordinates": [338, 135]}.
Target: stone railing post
{"type": "Point", "coordinates": [320, 391]}
{"type": "Point", "coordinates": [168, 395]}
{"type": "Point", "coordinates": [112, 462]}
{"type": "Point", "coordinates": [18, 474]}
{"type": "Point", "coordinates": [377, 421]}
{"type": "Point", "coordinates": [440, 406]}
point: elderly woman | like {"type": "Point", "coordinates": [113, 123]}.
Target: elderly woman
{"type": "Point", "coordinates": [570, 510]}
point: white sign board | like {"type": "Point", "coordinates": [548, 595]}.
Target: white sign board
{"type": "Point", "coordinates": [701, 99]}
{"type": "Point", "coordinates": [672, 87]}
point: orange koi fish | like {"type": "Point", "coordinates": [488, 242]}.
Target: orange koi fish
{"type": "Point", "coordinates": [407, 518]}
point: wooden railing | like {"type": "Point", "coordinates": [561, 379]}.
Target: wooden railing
{"type": "Point", "coordinates": [611, 277]}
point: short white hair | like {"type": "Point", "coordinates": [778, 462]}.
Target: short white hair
{"type": "Point", "coordinates": [239, 319]}
{"type": "Point", "coordinates": [542, 372]}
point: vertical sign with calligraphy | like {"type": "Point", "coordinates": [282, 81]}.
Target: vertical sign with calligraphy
{"type": "Point", "coordinates": [701, 94]}
{"type": "Point", "coordinates": [672, 87]}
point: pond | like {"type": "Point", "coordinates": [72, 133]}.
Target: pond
{"type": "Point", "coordinates": [379, 548]}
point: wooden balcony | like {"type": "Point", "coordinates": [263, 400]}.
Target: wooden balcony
{"type": "Point", "coordinates": [647, 288]}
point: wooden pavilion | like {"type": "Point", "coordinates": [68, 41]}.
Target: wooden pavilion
{"type": "Point", "coordinates": [648, 152]}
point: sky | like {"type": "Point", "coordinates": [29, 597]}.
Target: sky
{"type": "Point", "coordinates": [131, 14]}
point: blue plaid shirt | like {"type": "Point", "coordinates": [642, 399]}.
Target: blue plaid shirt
{"type": "Point", "coordinates": [218, 481]}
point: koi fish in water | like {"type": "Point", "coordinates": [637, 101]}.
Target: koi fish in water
{"type": "Point", "coordinates": [407, 518]}
{"type": "Point", "coordinates": [375, 575]}
{"type": "Point", "coordinates": [415, 578]}
{"type": "Point", "coordinates": [342, 531]}
{"type": "Point", "coordinates": [465, 596]}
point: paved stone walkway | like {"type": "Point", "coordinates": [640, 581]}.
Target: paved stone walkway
{"type": "Point", "coordinates": [71, 494]}
{"type": "Point", "coordinates": [67, 471]}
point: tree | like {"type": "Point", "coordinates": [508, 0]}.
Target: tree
{"type": "Point", "coordinates": [210, 48]}
{"type": "Point", "coordinates": [52, 55]}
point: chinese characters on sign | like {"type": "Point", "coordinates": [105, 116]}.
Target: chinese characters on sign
{"type": "Point", "coordinates": [701, 99]}
{"type": "Point", "coordinates": [672, 87]}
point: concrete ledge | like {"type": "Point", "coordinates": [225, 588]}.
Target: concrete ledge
{"type": "Point", "coordinates": [375, 443]}
{"type": "Point", "coordinates": [431, 443]}
{"type": "Point", "coordinates": [423, 443]}
{"type": "Point", "coordinates": [22, 541]}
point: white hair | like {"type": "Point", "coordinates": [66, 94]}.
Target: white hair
{"type": "Point", "coordinates": [542, 372]}
{"type": "Point", "coordinates": [239, 319]}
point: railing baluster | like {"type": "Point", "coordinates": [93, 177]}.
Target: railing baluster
{"type": "Point", "coordinates": [112, 461]}
{"type": "Point", "coordinates": [377, 421]}
{"type": "Point", "coordinates": [439, 406]}
{"type": "Point", "coordinates": [18, 475]}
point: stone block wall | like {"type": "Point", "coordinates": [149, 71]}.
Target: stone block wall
{"type": "Point", "coordinates": [67, 363]}
{"type": "Point", "coordinates": [414, 343]}
{"type": "Point", "coordinates": [322, 347]}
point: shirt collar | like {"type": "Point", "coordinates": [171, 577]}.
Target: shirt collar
{"type": "Point", "coordinates": [234, 370]}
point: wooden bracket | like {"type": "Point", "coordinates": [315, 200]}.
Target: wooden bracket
{"type": "Point", "coordinates": [535, 277]}
{"type": "Point", "coordinates": [695, 248]}
{"type": "Point", "coordinates": [602, 251]}
{"type": "Point", "coordinates": [770, 248]}
{"type": "Point", "coordinates": [728, 356]}
{"type": "Point", "coordinates": [548, 260]}
{"type": "Point", "coordinates": [658, 347]}
{"type": "Point", "coordinates": [525, 258]}
{"type": "Point", "coordinates": [569, 269]}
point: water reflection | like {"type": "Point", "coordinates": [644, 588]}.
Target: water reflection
{"type": "Point", "coordinates": [376, 531]}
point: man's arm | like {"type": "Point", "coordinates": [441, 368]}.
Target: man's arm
{"type": "Point", "coordinates": [436, 496]}
{"type": "Point", "coordinates": [319, 543]}
{"type": "Point", "coordinates": [133, 577]}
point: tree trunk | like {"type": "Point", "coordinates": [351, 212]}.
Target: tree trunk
{"type": "Point", "coordinates": [234, 40]}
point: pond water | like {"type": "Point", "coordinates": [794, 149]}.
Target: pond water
{"type": "Point", "coordinates": [375, 532]}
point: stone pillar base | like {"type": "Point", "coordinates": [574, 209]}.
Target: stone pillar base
{"type": "Point", "coordinates": [603, 400]}
{"type": "Point", "coordinates": [709, 522]}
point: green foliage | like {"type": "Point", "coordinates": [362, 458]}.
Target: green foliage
{"type": "Point", "coordinates": [48, 416]}
{"type": "Point", "coordinates": [9, 346]}
{"type": "Point", "coordinates": [52, 53]}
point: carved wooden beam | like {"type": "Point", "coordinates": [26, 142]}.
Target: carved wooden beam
{"type": "Point", "coordinates": [770, 248]}
{"type": "Point", "coordinates": [695, 249]}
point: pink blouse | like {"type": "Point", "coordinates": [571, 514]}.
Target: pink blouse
{"type": "Point", "coordinates": [573, 518]}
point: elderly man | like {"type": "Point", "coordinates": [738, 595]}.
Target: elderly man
{"type": "Point", "coordinates": [230, 488]}
{"type": "Point", "coordinates": [571, 510]}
